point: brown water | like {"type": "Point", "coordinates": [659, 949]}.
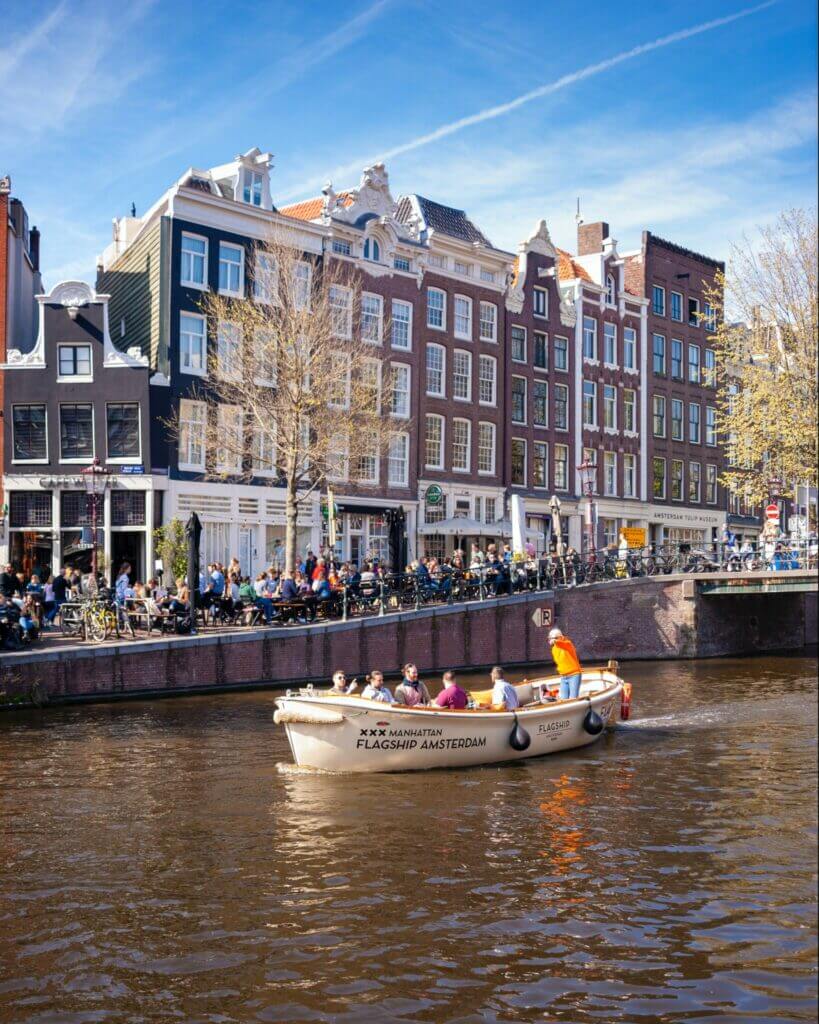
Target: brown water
{"type": "Point", "coordinates": [161, 862]}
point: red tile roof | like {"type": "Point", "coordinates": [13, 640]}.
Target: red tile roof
{"type": "Point", "coordinates": [568, 268]}
{"type": "Point", "coordinates": [310, 209]}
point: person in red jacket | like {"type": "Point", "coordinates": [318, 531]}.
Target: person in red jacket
{"type": "Point", "coordinates": [568, 664]}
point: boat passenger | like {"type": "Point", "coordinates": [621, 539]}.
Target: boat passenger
{"type": "Point", "coordinates": [376, 690]}
{"type": "Point", "coordinates": [411, 690]}
{"type": "Point", "coordinates": [341, 686]}
{"type": "Point", "coordinates": [568, 664]}
{"type": "Point", "coordinates": [452, 696]}
{"type": "Point", "coordinates": [504, 694]}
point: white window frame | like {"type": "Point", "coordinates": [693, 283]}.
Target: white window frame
{"type": "Point", "coordinates": [711, 428]}
{"type": "Point", "coordinates": [629, 402]}
{"type": "Point", "coordinates": [611, 291]}
{"type": "Point", "coordinates": [464, 335]}
{"type": "Point", "coordinates": [518, 359]}
{"type": "Point", "coordinates": [341, 358]}
{"type": "Point", "coordinates": [459, 421]}
{"type": "Point", "coordinates": [194, 256]}
{"type": "Point", "coordinates": [124, 460]}
{"type": "Point", "coordinates": [376, 364]}
{"type": "Point", "coordinates": [73, 378]}
{"type": "Point", "coordinates": [545, 446]}
{"type": "Point", "coordinates": [302, 283]}
{"type": "Point", "coordinates": [698, 379]}
{"type": "Point", "coordinates": [696, 322]}
{"type": "Point", "coordinates": [265, 278]}
{"type": "Point", "coordinates": [698, 407]}
{"type": "Point", "coordinates": [433, 346]}
{"type": "Point", "coordinates": [230, 264]}
{"type": "Point", "coordinates": [539, 382]}
{"type": "Point", "coordinates": [609, 463]}
{"type": "Point", "coordinates": [257, 453]}
{"type": "Point", "coordinates": [227, 416]}
{"type": "Point", "coordinates": [185, 351]}
{"type": "Point", "coordinates": [488, 361]}
{"type": "Point", "coordinates": [228, 350]}
{"type": "Point", "coordinates": [655, 400]}
{"type": "Point", "coordinates": [629, 475]}
{"type": "Point", "coordinates": [543, 295]}
{"type": "Point", "coordinates": [564, 389]}
{"type": "Point", "coordinates": [370, 481]}
{"type": "Point", "coordinates": [609, 331]}
{"type": "Point", "coordinates": [441, 440]}
{"type": "Point", "coordinates": [711, 466]}
{"type": "Point", "coordinates": [523, 422]}
{"type": "Point", "coordinates": [467, 356]}
{"type": "Point", "coordinates": [185, 421]}
{"type": "Point", "coordinates": [376, 318]}
{"type": "Point", "coordinates": [630, 344]}
{"type": "Point", "coordinates": [31, 462]}
{"type": "Point", "coordinates": [341, 313]}
{"type": "Point", "coordinates": [338, 458]}
{"type": "Point", "coordinates": [698, 499]}
{"type": "Point", "coordinates": [677, 403]}
{"type": "Point", "coordinates": [407, 369]}
{"type": "Point", "coordinates": [491, 320]}
{"type": "Point", "coordinates": [655, 288]}
{"type": "Point", "coordinates": [677, 462]}
{"type": "Point", "coordinates": [664, 496]}
{"type": "Point", "coordinates": [562, 448]}
{"type": "Point", "coordinates": [492, 430]}
{"type": "Point", "coordinates": [593, 424]}
{"type": "Point", "coordinates": [408, 322]}
{"type": "Point", "coordinates": [544, 335]}
{"type": "Point", "coordinates": [250, 179]}
{"type": "Point", "coordinates": [590, 332]}
{"type": "Point", "coordinates": [678, 295]}
{"type": "Point", "coordinates": [610, 403]}
{"type": "Point", "coordinates": [404, 440]}
{"type": "Point", "coordinates": [565, 340]}
{"type": "Point", "coordinates": [520, 440]}
{"type": "Point", "coordinates": [442, 325]}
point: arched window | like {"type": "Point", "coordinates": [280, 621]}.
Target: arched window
{"type": "Point", "coordinates": [372, 250]}
{"type": "Point", "coordinates": [610, 290]}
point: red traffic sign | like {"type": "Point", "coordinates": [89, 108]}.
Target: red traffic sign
{"type": "Point", "coordinates": [772, 512]}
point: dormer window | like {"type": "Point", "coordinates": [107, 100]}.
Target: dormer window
{"type": "Point", "coordinates": [372, 250]}
{"type": "Point", "coordinates": [610, 290]}
{"type": "Point", "coordinates": [252, 190]}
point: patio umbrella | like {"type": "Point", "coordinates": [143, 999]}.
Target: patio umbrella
{"type": "Point", "coordinates": [518, 523]}
{"type": "Point", "coordinates": [193, 532]}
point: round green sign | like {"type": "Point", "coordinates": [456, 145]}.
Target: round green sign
{"type": "Point", "coordinates": [434, 495]}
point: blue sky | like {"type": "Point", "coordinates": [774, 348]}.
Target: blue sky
{"type": "Point", "coordinates": [697, 135]}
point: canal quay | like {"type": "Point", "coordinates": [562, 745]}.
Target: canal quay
{"type": "Point", "coordinates": [163, 861]}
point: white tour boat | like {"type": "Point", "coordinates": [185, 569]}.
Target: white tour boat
{"type": "Point", "coordinates": [351, 733]}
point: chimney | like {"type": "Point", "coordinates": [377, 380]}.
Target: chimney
{"type": "Point", "coordinates": [34, 247]}
{"type": "Point", "coordinates": [590, 237]}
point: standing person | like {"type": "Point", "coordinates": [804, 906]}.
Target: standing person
{"type": "Point", "coordinates": [60, 587]}
{"type": "Point", "coordinates": [8, 581]}
{"type": "Point", "coordinates": [123, 582]}
{"type": "Point", "coordinates": [277, 555]}
{"type": "Point", "coordinates": [411, 691]}
{"type": "Point", "coordinates": [452, 696]}
{"type": "Point", "coordinates": [567, 662]}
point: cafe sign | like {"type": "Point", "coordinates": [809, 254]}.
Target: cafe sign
{"type": "Point", "coordinates": [433, 495]}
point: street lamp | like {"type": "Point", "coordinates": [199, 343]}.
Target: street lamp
{"type": "Point", "coordinates": [95, 478]}
{"type": "Point", "coordinates": [588, 479]}
{"type": "Point", "coordinates": [557, 529]}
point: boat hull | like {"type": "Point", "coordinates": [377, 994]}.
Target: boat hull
{"type": "Point", "coordinates": [350, 734]}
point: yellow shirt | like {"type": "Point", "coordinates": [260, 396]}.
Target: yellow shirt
{"type": "Point", "coordinates": [565, 656]}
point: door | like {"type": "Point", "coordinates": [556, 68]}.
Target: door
{"type": "Point", "coordinates": [246, 550]}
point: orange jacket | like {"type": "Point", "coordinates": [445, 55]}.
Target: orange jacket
{"type": "Point", "coordinates": [565, 656]}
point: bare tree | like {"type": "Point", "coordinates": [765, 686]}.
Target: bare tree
{"type": "Point", "coordinates": [295, 389]}
{"type": "Point", "coordinates": [765, 337]}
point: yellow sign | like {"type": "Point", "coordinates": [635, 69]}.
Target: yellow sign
{"type": "Point", "coordinates": [635, 535]}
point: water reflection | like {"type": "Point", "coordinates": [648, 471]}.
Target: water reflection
{"type": "Point", "coordinates": [164, 861]}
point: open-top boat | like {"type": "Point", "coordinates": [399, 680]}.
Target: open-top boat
{"type": "Point", "coordinates": [349, 733]}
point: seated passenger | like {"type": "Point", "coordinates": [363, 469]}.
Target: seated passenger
{"type": "Point", "coordinates": [411, 690]}
{"type": "Point", "coordinates": [376, 690]}
{"type": "Point", "coordinates": [503, 693]}
{"type": "Point", "coordinates": [452, 696]}
{"type": "Point", "coordinates": [340, 685]}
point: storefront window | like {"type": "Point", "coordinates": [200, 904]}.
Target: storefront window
{"type": "Point", "coordinates": [30, 508]}
{"type": "Point", "coordinates": [128, 508]}
{"type": "Point", "coordinates": [30, 552]}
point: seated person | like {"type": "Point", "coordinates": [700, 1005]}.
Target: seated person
{"type": "Point", "coordinates": [28, 618]}
{"type": "Point", "coordinates": [452, 696]}
{"type": "Point", "coordinates": [376, 690]}
{"type": "Point", "coordinates": [340, 685]}
{"type": "Point", "coordinates": [503, 693]}
{"type": "Point", "coordinates": [289, 591]}
{"type": "Point", "coordinates": [411, 691]}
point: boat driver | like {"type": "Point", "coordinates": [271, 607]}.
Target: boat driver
{"type": "Point", "coordinates": [567, 662]}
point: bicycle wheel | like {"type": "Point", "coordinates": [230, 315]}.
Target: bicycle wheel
{"type": "Point", "coordinates": [96, 629]}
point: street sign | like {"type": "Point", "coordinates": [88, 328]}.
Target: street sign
{"type": "Point", "coordinates": [635, 536]}
{"type": "Point", "coordinates": [542, 617]}
{"type": "Point", "coordinates": [772, 512]}
{"type": "Point", "coordinates": [433, 495]}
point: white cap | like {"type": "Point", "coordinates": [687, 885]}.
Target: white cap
{"type": "Point", "coordinates": [555, 633]}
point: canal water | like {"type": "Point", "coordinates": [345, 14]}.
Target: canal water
{"type": "Point", "coordinates": [163, 862]}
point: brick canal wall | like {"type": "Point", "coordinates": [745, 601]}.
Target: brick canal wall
{"type": "Point", "coordinates": [638, 619]}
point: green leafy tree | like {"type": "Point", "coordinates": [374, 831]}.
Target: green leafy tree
{"type": "Point", "coordinates": [171, 544]}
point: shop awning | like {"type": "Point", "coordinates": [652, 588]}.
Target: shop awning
{"type": "Point", "coordinates": [462, 526]}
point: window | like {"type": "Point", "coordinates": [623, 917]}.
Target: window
{"type": "Point", "coordinates": [193, 261]}
{"type": "Point", "coordinates": [401, 325]}
{"type": "Point", "coordinates": [486, 448]}
{"type": "Point", "coordinates": [123, 431]}
{"type": "Point", "coordinates": [677, 469]}
{"type": "Point", "coordinates": [658, 300]}
{"type": "Point", "coordinates": [540, 464]}
{"type": "Point", "coordinates": [519, 344]}
{"type": "Point", "coordinates": [709, 376]}
{"type": "Point", "coordinates": [128, 508]}
{"type": "Point", "coordinates": [694, 364]}
{"type": "Point", "coordinates": [372, 318]}
{"type": "Point", "coordinates": [658, 477]}
{"type": "Point", "coordinates": [487, 375]}
{"type": "Point", "coordinates": [30, 437]}
{"type": "Point", "coordinates": [372, 250]}
{"type": "Point", "coordinates": [710, 316]}
{"type": "Point", "coordinates": [366, 465]}
{"type": "Point", "coordinates": [371, 385]}
{"type": "Point", "coordinates": [400, 394]}
{"type": "Point", "coordinates": [434, 442]}
{"type": "Point", "coordinates": [659, 416]}
{"type": "Point", "coordinates": [463, 317]}
{"type": "Point", "coordinates": [659, 354]}
{"type": "Point", "coordinates": [463, 268]}
{"type": "Point", "coordinates": [338, 457]}
{"type": "Point", "coordinates": [540, 403]}
{"type": "Point", "coordinates": [398, 461]}
{"type": "Point", "coordinates": [693, 312]}
{"type": "Point", "coordinates": [263, 452]}
{"type": "Point", "coordinates": [609, 473]}
{"type": "Point", "coordinates": [611, 293]}
{"type": "Point", "coordinates": [694, 481]}
{"type": "Point", "coordinates": [711, 484]}
{"type": "Point", "coordinates": [436, 364]}
{"type": "Point", "coordinates": [461, 445]}
{"type": "Point", "coordinates": [589, 338]}
{"type": "Point", "coordinates": [265, 278]}
{"type": "Point", "coordinates": [540, 302]}
{"type": "Point", "coordinates": [561, 467]}
{"type": "Point", "coordinates": [676, 307]}
{"type": "Point", "coordinates": [693, 422]}
{"type": "Point", "coordinates": [629, 411]}
{"type": "Point", "coordinates": [589, 403]}
{"type": "Point", "coordinates": [341, 247]}
{"type": "Point", "coordinates": [629, 348]}
{"type": "Point", "coordinates": [629, 476]}
{"type": "Point", "coordinates": [401, 263]}
{"type": "Point", "coordinates": [677, 428]}
{"type": "Point", "coordinates": [192, 343]}
{"type": "Point", "coordinates": [518, 399]}
{"type": "Point", "coordinates": [609, 344]}
{"type": "Point", "coordinates": [76, 432]}
{"type": "Point", "coordinates": [487, 275]}
{"type": "Point", "coordinates": [609, 407]}
{"type": "Point", "coordinates": [518, 462]}
{"type": "Point", "coordinates": [436, 309]}
{"type": "Point", "coordinates": [711, 426]}
{"type": "Point", "coordinates": [590, 455]}
{"type": "Point", "coordinates": [231, 269]}
{"type": "Point", "coordinates": [676, 359]}
{"type": "Point", "coordinates": [228, 350]}
{"type": "Point", "coordinates": [338, 386]}
{"type": "Point", "coordinates": [489, 322]}
{"type": "Point", "coordinates": [341, 310]}
{"type": "Point", "coordinates": [252, 191]}
{"type": "Point", "coordinates": [229, 426]}
{"type": "Point", "coordinates": [561, 407]}
{"type": "Point", "coordinates": [33, 508]}
{"type": "Point", "coordinates": [561, 353]}
{"type": "Point", "coordinates": [541, 351]}
{"type": "Point", "coordinates": [462, 375]}
{"type": "Point", "coordinates": [192, 435]}
{"type": "Point", "coordinates": [302, 283]}
{"type": "Point", "coordinates": [74, 361]}
{"type": "Point", "coordinates": [436, 260]}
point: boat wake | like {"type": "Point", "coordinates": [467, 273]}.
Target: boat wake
{"type": "Point", "coordinates": [706, 717]}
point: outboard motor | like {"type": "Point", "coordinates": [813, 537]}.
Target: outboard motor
{"type": "Point", "coordinates": [519, 738]}
{"type": "Point", "coordinates": [593, 723]}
